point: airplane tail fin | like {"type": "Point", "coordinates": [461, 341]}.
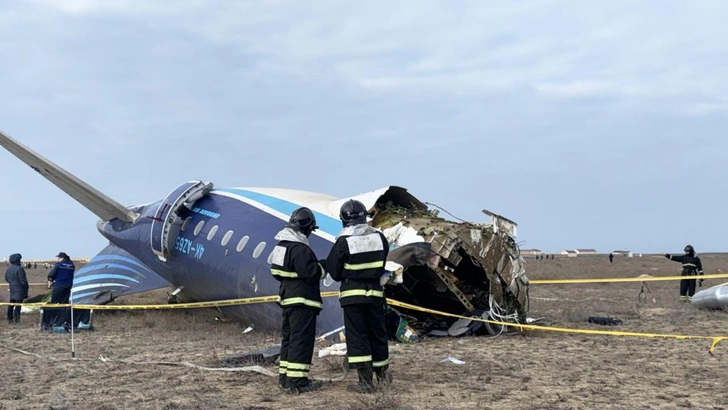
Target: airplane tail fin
{"type": "Point", "coordinates": [95, 201]}
{"type": "Point", "coordinates": [113, 272]}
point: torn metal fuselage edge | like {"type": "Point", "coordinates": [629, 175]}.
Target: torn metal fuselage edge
{"type": "Point", "coordinates": [455, 267]}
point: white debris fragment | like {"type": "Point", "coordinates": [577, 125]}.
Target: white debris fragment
{"type": "Point", "coordinates": [402, 235]}
{"type": "Point", "coordinates": [452, 360]}
{"type": "Point", "coordinates": [476, 236]}
{"type": "Point", "coordinates": [248, 330]}
{"type": "Point", "coordinates": [337, 349]}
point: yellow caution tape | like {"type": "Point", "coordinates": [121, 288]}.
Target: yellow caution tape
{"type": "Point", "coordinates": [191, 305]}
{"type": "Point", "coordinates": [581, 280]}
{"type": "Point", "coordinates": [631, 279]}
{"type": "Point", "coordinates": [715, 339]}
{"type": "Point", "coordinates": [207, 304]}
{"type": "Point", "coordinates": [265, 299]}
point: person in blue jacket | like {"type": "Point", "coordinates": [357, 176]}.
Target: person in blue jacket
{"type": "Point", "coordinates": [18, 283]}
{"type": "Point", "coordinates": [61, 277]}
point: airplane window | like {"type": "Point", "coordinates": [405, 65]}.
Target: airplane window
{"type": "Point", "coordinates": [242, 243]}
{"type": "Point", "coordinates": [199, 226]}
{"type": "Point", "coordinates": [226, 238]}
{"type": "Point", "coordinates": [186, 223]}
{"type": "Point", "coordinates": [212, 232]}
{"type": "Point", "coordinates": [258, 249]}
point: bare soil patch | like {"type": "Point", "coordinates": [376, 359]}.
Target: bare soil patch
{"type": "Point", "coordinates": [534, 370]}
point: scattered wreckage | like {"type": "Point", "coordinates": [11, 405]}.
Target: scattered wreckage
{"type": "Point", "coordinates": [712, 298]}
{"type": "Point", "coordinates": [463, 268]}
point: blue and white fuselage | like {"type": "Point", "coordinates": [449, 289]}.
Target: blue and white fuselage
{"type": "Point", "coordinates": [221, 252]}
{"type": "Point", "coordinates": [214, 244]}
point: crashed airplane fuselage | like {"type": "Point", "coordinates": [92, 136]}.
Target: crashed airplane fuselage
{"type": "Point", "coordinates": [471, 269]}
{"type": "Point", "coordinates": [214, 244]}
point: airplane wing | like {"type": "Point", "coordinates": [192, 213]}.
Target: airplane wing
{"type": "Point", "coordinates": [95, 201]}
{"type": "Point", "coordinates": [110, 274]}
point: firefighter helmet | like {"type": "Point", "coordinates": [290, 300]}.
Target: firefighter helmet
{"type": "Point", "coordinates": [353, 212]}
{"type": "Point", "coordinates": [302, 220]}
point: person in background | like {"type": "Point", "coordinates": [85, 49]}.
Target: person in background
{"type": "Point", "coordinates": [18, 283]}
{"type": "Point", "coordinates": [61, 278]}
{"type": "Point", "coordinates": [691, 266]}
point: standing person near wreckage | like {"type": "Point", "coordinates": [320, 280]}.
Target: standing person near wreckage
{"type": "Point", "coordinates": [357, 261]}
{"type": "Point", "coordinates": [294, 264]}
{"type": "Point", "coordinates": [18, 283]}
{"type": "Point", "coordinates": [691, 265]}
{"type": "Point", "coordinates": [61, 278]}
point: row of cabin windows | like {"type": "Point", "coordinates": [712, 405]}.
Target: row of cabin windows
{"type": "Point", "coordinates": [226, 238]}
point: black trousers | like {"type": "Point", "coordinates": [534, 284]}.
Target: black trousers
{"type": "Point", "coordinates": [299, 334]}
{"type": "Point", "coordinates": [687, 286]}
{"type": "Point", "coordinates": [14, 311]}
{"type": "Point", "coordinates": [60, 294]}
{"type": "Point", "coordinates": [366, 336]}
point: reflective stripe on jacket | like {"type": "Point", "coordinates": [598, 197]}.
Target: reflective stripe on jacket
{"type": "Point", "coordinates": [295, 265]}
{"type": "Point", "coordinates": [357, 261]}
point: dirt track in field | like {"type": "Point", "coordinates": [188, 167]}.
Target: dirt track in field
{"type": "Point", "coordinates": [535, 370]}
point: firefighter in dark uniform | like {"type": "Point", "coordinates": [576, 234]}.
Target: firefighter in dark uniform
{"type": "Point", "coordinates": [357, 261]}
{"type": "Point", "coordinates": [691, 265]}
{"type": "Point", "coordinates": [295, 265]}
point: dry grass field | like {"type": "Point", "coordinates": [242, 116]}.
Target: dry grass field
{"type": "Point", "coordinates": [534, 370]}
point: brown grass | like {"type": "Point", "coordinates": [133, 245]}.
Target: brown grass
{"type": "Point", "coordinates": [534, 370]}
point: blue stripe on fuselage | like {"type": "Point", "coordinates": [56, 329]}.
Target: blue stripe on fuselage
{"type": "Point", "coordinates": [103, 276]}
{"type": "Point", "coordinates": [326, 223]}
{"type": "Point", "coordinates": [101, 257]}
{"type": "Point", "coordinates": [85, 269]}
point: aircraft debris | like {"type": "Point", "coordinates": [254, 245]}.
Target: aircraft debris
{"type": "Point", "coordinates": [473, 269]}
{"type": "Point", "coordinates": [337, 349]}
{"type": "Point", "coordinates": [715, 297]}
{"type": "Point", "coordinates": [267, 356]}
{"type": "Point", "coordinates": [604, 321]}
{"type": "Point", "coordinates": [452, 360]}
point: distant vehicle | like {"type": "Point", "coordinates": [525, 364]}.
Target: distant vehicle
{"type": "Point", "coordinates": [212, 244]}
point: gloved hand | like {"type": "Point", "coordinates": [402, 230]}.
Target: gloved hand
{"type": "Point", "coordinates": [700, 282]}
{"type": "Point", "coordinates": [385, 278]}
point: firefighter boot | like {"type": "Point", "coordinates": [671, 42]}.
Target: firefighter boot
{"type": "Point", "coordinates": [296, 385]}
{"type": "Point", "coordinates": [365, 384]}
{"type": "Point", "coordinates": [384, 377]}
{"type": "Point", "coordinates": [282, 380]}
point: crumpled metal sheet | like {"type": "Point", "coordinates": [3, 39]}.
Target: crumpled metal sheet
{"type": "Point", "coordinates": [493, 249]}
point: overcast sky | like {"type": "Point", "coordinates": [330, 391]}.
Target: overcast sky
{"type": "Point", "coordinates": [591, 124]}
